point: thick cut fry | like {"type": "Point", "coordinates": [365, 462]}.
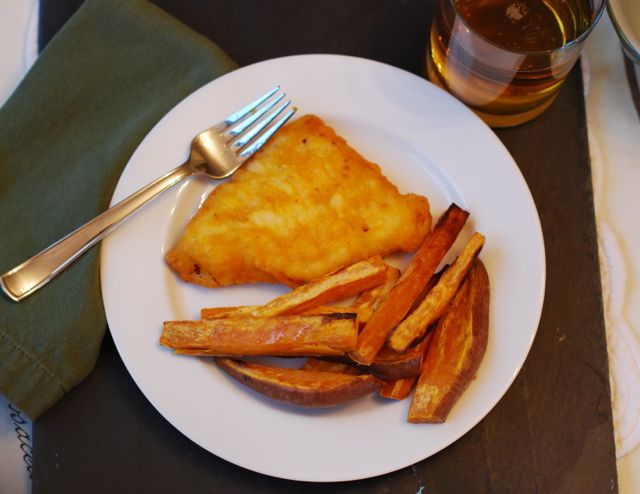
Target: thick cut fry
{"type": "Point", "coordinates": [428, 287]}
{"type": "Point", "coordinates": [403, 294]}
{"type": "Point", "coordinates": [437, 300]}
{"type": "Point", "coordinates": [226, 312]}
{"type": "Point", "coordinates": [326, 365]}
{"type": "Point", "coordinates": [321, 335]}
{"type": "Point", "coordinates": [457, 349]}
{"type": "Point", "coordinates": [393, 365]}
{"type": "Point", "coordinates": [398, 389]}
{"type": "Point", "coordinates": [247, 310]}
{"type": "Point", "coordinates": [300, 387]}
{"type": "Point", "coordinates": [330, 309]}
{"type": "Point", "coordinates": [370, 300]}
{"type": "Point", "coordinates": [342, 284]}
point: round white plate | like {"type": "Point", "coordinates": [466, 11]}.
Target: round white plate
{"type": "Point", "coordinates": [425, 142]}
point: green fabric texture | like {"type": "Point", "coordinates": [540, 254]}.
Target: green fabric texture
{"type": "Point", "coordinates": [66, 134]}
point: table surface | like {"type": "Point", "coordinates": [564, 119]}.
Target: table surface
{"type": "Point", "coordinates": [552, 431]}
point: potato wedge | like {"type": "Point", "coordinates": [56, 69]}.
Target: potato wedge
{"type": "Point", "coordinates": [405, 291]}
{"type": "Point", "coordinates": [330, 309]}
{"type": "Point", "coordinates": [300, 387]}
{"type": "Point", "coordinates": [247, 310]}
{"type": "Point", "coordinates": [328, 365]}
{"type": "Point", "coordinates": [433, 281]}
{"type": "Point", "coordinates": [225, 312]}
{"type": "Point", "coordinates": [437, 300]}
{"type": "Point", "coordinates": [336, 286]}
{"type": "Point", "coordinates": [317, 335]}
{"type": "Point", "coordinates": [392, 365]}
{"type": "Point", "coordinates": [398, 389]}
{"type": "Point", "coordinates": [456, 351]}
{"type": "Point", "coordinates": [370, 299]}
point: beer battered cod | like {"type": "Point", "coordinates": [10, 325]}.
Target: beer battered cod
{"type": "Point", "coordinates": [306, 205]}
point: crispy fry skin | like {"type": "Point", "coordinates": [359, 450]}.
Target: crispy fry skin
{"type": "Point", "coordinates": [306, 205]}
{"type": "Point", "coordinates": [225, 312]}
{"type": "Point", "coordinates": [326, 365]}
{"type": "Point", "coordinates": [319, 335]}
{"type": "Point", "coordinates": [336, 286]}
{"type": "Point", "coordinates": [457, 349]}
{"type": "Point", "coordinates": [428, 287]}
{"type": "Point", "coordinates": [437, 300]}
{"type": "Point", "coordinates": [403, 294]}
{"type": "Point", "coordinates": [398, 389]}
{"type": "Point", "coordinates": [393, 365]}
{"type": "Point", "coordinates": [370, 300]}
{"type": "Point", "coordinates": [246, 310]}
{"type": "Point", "coordinates": [300, 387]}
{"type": "Point", "coordinates": [330, 309]}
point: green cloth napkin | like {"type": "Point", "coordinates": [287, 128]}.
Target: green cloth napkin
{"type": "Point", "coordinates": [65, 135]}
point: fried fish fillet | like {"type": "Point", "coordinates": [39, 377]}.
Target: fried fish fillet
{"type": "Point", "coordinates": [306, 205]}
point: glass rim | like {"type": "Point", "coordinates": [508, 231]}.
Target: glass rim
{"type": "Point", "coordinates": [595, 17]}
{"type": "Point", "coordinates": [631, 49]}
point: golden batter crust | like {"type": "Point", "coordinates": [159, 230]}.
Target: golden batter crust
{"type": "Point", "coordinates": [306, 205]}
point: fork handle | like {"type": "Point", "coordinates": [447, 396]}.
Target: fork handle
{"type": "Point", "coordinates": [37, 271]}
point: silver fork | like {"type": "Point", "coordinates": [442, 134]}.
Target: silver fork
{"type": "Point", "coordinates": [216, 152]}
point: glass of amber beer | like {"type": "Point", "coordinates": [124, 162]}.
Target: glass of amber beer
{"type": "Point", "coordinates": [507, 59]}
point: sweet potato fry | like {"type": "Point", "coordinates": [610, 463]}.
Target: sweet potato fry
{"type": "Point", "coordinates": [225, 312]}
{"type": "Point", "coordinates": [326, 365]}
{"type": "Point", "coordinates": [300, 387]}
{"type": "Point", "coordinates": [398, 389]}
{"type": "Point", "coordinates": [433, 281]}
{"type": "Point", "coordinates": [437, 300]}
{"type": "Point", "coordinates": [456, 351]}
{"type": "Point", "coordinates": [319, 335]}
{"type": "Point", "coordinates": [392, 365]}
{"type": "Point", "coordinates": [403, 294]}
{"type": "Point", "coordinates": [247, 310]}
{"type": "Point", "coordinates": [370, 299]}
{"type": "Point", "coordinates": [330, 309]}
{"type": "Point", "coordinates": [347, 282]}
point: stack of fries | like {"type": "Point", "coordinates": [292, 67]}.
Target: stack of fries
{"type": "Point", "coordinates": [421, 330]}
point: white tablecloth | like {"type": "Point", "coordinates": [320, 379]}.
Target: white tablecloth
{"type": "Point", "coordinates": [614, 140]}
{"type": "Point", "coordinates": [614, 136]}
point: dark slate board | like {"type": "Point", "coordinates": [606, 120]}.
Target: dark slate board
{"type": "Point", "coordinates": [552, 432]}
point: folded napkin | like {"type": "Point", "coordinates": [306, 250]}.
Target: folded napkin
{"type": "Point", "coordinates": [65, 135]}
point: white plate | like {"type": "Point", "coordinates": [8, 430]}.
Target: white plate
{"type": "Point", "coordinates": [425, 142]}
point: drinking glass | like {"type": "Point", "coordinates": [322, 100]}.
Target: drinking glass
{"type": "Point", "coordinates": [507, 59]}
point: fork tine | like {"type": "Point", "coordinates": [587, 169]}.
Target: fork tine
{"type": "Point", "coordinates": [249, 150]}
{"type": "Point", "coordinates": [241, 140]}
{"type": "Point", "coordinates": [234, 117]}
{"type": "Point", "coordinates": [241, 125]}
